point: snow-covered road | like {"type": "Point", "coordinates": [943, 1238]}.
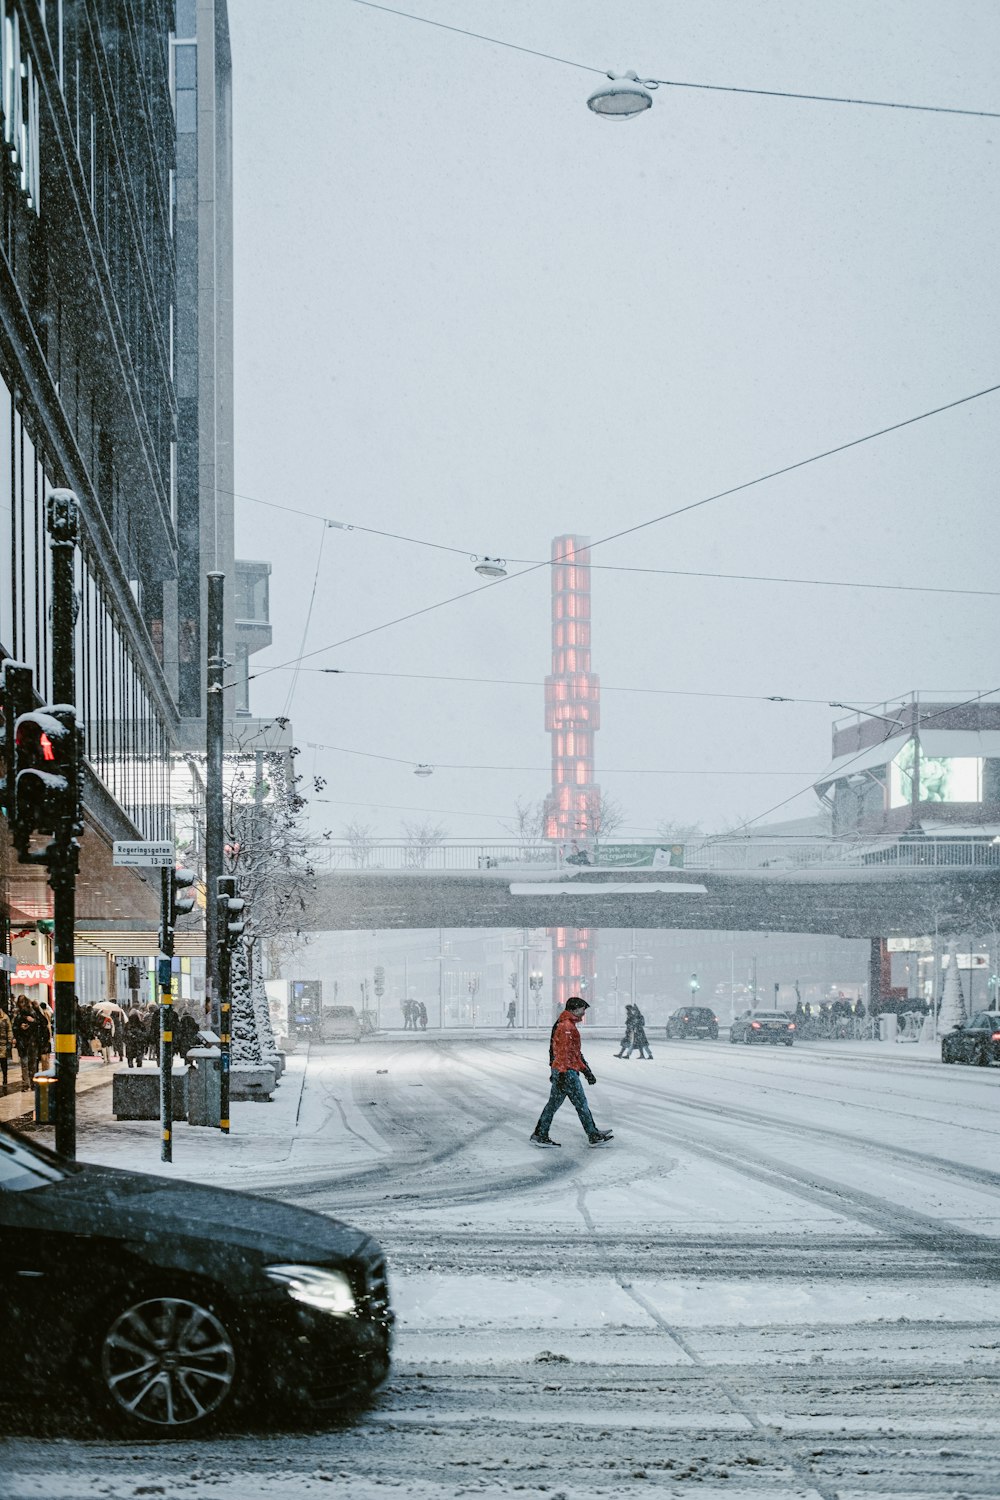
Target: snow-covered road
{"type": "Point", "coordinates": [781, 1279]}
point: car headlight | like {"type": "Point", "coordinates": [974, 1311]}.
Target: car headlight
{"type": "Point", "coordinates": [327, 1291]}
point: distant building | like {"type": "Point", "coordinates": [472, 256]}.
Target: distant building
{"type": "Point", "coordinates": [916, 765]}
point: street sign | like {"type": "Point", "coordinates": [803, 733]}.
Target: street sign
{"type": "Point", "coordinates": [7, 963]}
{"type": "Point", "coordinates": [133, 854]}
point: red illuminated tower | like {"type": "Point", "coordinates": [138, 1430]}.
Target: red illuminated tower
{"type": "Point", "coordinates": [572, 715]}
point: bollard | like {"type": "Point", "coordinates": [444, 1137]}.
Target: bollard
{"type": "Point", "coordinates": [46, 1098]}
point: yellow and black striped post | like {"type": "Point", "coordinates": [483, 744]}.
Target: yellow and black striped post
{"type": "Point", "coordinates": [164, 981]}
{"type": "Point", "coordinates": [62, 854]}
{"type": "Point", "coordinates": [226, 889]}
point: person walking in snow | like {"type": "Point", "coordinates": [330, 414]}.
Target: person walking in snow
{"type": "Point", "coordinates": [421, 1016]}
{"type": "Point", "coordinates": [637, 1036]}
{"type": "Point", "coordinates": [511, 1015]}
{"type": "Point", "coordinates": [625, 1045]}
{"type": "Point", "coordinates": [566, 1063]}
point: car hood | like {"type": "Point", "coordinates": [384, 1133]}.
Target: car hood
{"type": "Point", "coordinates": [137, 1206]}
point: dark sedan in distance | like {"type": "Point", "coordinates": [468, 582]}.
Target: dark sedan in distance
{"type": "Point", "coordinates": [772, 1026]}
{"type": "Point", "coordinates": [976, 1041]}
{"type": "Point", "coordinates": [692, 1020]}
{"type": "Point", "coordinates": [171, 1305]}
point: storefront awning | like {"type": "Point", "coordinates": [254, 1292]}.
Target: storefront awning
{"type": "Point", "coordinates": [139, 941]}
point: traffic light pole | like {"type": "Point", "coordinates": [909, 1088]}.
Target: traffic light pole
{"type": "Point", "coordinates": [63, 525]}
{"type": "Point", "coordinates": [165, 982]}
{"type": "Point", "coordinates": [214, 838]}
{"type": "Point", "coordinates": [225, 887]}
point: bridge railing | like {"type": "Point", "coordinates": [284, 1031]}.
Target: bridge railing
{"type": "Point", "coordinates": [721, 855]}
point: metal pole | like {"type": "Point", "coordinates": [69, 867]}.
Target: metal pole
{"type": "Point", "coordinates": [214, 838]}
{"type": "Point", "coordinates": [225, 887]}
{"type": "Point", "coordinates": [63, 526]}
{"type": "Point", "coordinates": [166, 1019]}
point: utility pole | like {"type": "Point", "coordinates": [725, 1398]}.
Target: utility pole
{"type": "Point", "coordinates": [64, 851]}
{"type": "Point", "coordinates": [214, 836]}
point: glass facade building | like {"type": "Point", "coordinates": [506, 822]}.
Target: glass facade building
{"type": "Point", "coordinates": [87, 390]}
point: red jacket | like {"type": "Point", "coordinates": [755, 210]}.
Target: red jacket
{"type": "Point", "coordinates": [564, 1048]}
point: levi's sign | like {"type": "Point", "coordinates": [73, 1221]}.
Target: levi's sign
{"type": "Point", "coordinates": [159, 856]}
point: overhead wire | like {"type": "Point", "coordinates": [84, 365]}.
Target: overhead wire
{"type": "Point", "coordinates": [537, 683]}
{"type": "Point", "coordinates": [674, 83]}
{"type": "Point", "coordinates": [286, 711]}
{"type": "Point", "coordinates": [827, 583]}
{"type": "Point", "coordinates": [680, 510]}
{"type": "Point", "coordinates": [439, 765]}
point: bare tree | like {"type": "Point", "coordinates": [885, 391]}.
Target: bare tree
{"type": "Point", "coordinates": [672, 832]}
{"type": "Point", "coordinates": [600, 817]}
{"type": "Point", "coordinates": [528, 822]}
{"type": "Point", "coordinates": [361, 839]}
{"type": "Point", "coordinates": [420, 839]}
{"type": "Point", "coordinates": [265, 846]}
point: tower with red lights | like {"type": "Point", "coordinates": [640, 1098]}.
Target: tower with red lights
{"type": "Point", "coordinates": [572, 716]}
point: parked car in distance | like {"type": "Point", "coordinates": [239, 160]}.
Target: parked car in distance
{"type": "Point", "coordinates": [692, 1020]}
{"type": "Point", "coordinates": [169, 1305]}
{"type": "Point", "coordinates": [976, 1041]}
{"type": "Point", "coordinates": [771, 1026]}
{"type": "Point", "coordinates": [340, 1023]}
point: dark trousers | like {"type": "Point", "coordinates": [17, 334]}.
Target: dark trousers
{"type": "Point", "coordinates": [566, 1086]}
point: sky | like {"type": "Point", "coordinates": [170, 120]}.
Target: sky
{"type": "Point", "coordinates": [470, 312]}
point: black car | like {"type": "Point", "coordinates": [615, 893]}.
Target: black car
{"type": "Point", "coordinates": [173, 1304]}
{"type": "Point", "coordinates": [771, 1026]}
{"type": "Point", "coordinates": [692, 1020]}
{"type": "Point", "coordinates": [976, 1041]}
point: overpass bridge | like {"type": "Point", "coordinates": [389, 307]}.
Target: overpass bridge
{"type": "Point", "coordinates": [894, 887]}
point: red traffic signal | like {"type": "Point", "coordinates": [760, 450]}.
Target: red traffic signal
{"type": "Point", "coordinates": [45, 773]}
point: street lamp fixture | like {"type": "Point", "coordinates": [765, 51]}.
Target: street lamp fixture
{"type": "Point", "coordinates": [623, 97]}
{"type": "Point", "coordinates": [491, 567]}
{"type": "Point", "coordinates": [423, 770]}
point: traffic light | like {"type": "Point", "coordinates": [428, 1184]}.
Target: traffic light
{"type": "Point", "coordinates": [17, 697]}
{"type": "Point", "coordinates": [231, 908]}
{"type": "Point", "coordinates": [180, 906]}
{"type": "Point", "coordinates": [173, 906]}
{"type": "Point", "coordinates": [695, 986]}
{"type": "Point", "coordinates": [46, 775]}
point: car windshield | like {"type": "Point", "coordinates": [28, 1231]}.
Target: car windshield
{"type": "Point", "coordinates": [23, 1167]}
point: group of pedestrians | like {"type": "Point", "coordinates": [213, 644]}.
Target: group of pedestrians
{"type": "Point", "coordinates": [29, 1030]}
{"type": "Point", "coordinates": [635, 1035]}
{"type": "Point", "coordinates": [103, 1029]}
{"type": "Point", "coordinates": [414, 1015]}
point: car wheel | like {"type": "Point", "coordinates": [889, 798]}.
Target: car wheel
{"type": "Point", "coordinates": [748, 1038]}
{"type": "Point", "coordinates": [169, 1364]}
{"type": "Point", "coordinates": [946, 1056]}
{"type": "Point", "coordinates": [789, 1044]}
{"type": "Point", "coordinates": [982, 1056]}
